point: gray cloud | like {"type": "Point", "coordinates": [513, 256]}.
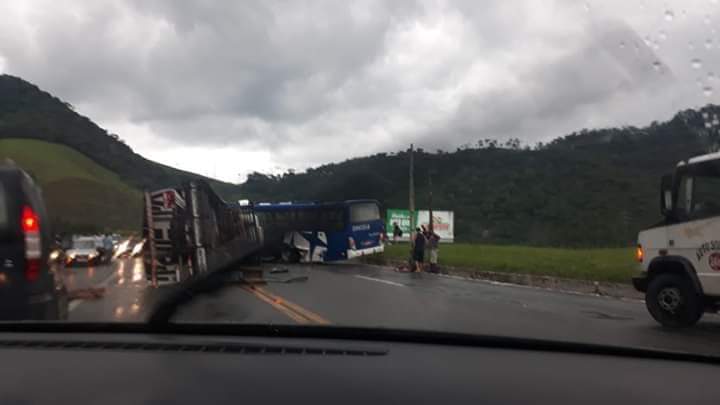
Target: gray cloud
{"type": "Point", "coordinates": [315, 81]}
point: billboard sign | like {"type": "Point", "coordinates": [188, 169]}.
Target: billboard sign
{"type": "Point", "coordinates": [443, 223]}
{"type": "Point", "coordinates": [402, 219]}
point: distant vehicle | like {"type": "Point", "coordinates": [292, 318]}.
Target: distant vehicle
{"type": "Point", "coordinates": [29, 288]}
{"type": "Point", "coordinates": [84, 251]}
{"type": "Point", "coordinates": [321, 232]}
{"type": "Point", "coordinates": [680, 256]}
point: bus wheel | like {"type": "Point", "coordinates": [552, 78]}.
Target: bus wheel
{"type": "Point", "coordinates": [672, 300]}
{"type": "Point", "coordinates": [290, 255]}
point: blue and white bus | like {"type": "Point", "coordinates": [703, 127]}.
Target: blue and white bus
{"type": "Point", "coordinates": [320, 231]}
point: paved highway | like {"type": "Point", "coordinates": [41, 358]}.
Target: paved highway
{"type": "Point", "coordinates": [363, 295]}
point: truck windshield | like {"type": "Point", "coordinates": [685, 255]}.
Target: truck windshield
{"type": "Point", "coordinates": [706, 196]}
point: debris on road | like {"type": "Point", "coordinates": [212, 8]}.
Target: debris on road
{"type": "Point", "coordinates": [403, 268]}
{"type": "Point", "coordinates": [86, 294]}
{"type": "Point", "coordinates": [296, 279]}
{"type": "Point", "coordinates": [276, 270]}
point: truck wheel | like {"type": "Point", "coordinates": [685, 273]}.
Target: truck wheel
{"type": "Point", "coordinates": [673, 301]}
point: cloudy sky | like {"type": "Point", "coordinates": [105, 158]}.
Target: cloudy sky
{"type": "Point", "coordinates": [226, 88]}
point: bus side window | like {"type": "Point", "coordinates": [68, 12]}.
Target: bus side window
{"type": "Point", "coordinates": [335, 219]}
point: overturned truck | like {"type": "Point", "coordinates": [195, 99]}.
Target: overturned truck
{"type": "Point", "coordinates": [190, 229]}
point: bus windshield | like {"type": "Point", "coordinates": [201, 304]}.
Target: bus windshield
{"type": "Point", "coordinates": [364, 212]}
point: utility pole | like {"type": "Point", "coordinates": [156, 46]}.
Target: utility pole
{"type": "Point", "coordinates": [412, 191]}
{"type": "Point", "coordinates": [430, 202]}
{"type": "Point", "coordinates": [411, 203]}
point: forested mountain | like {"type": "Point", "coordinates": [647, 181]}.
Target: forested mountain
{"type": "Point", "coordinates": [591, 188]}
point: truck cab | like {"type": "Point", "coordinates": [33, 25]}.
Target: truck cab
{"type": "Point", "coordinates": [680, 256]}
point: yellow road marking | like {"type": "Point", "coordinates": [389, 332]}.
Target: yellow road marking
{"type": "Point", "coordinates": [292, 310]}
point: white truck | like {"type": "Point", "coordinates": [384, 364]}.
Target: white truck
{"type": "Point", "coordinates": [190, 230]}
{"type": "Point", "coordinates": [680, 256]}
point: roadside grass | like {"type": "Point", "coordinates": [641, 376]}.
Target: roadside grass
{"type": "Point", "coordinates": [606, 264]}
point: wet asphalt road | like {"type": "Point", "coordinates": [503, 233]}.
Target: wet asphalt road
{"type": "Point", "coordinates": [363, 295]}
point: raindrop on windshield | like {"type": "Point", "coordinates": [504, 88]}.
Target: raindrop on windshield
{"type": "Point", "coordinates": [696, 63]}
{"type": "Point", "coordinates": [699, 82]}
{"type": "Point", "coordinates": [711, 76]}
{"type": "Point", "coordinates": [707, 19]}
{"type": "Point", "coordinates": [708, 43]}
{"type": "Point", "coordinates": [622, 44]}
{"type": "Point", "coordinates": [707, 91]}
{"type": "Point", "coordinates": [587, 6]}
{"type": "Point", "coordinates": [705, 115]}
{"type": "Point", "coordinates": [691, 45]}
{"type": "Point", "coordinates": [669, 15]}
{"type": "Point", "coordinates": [647, 40]}
{"type": "Point", "coordinates": [657, 65]}
{"type": "Point", "coordinates": [662, 35]}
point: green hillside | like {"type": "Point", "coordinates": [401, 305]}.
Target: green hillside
{"type": "Point", "coordinates": [80, 194]}
{"type": "Point", "coordinates": [28, 112]}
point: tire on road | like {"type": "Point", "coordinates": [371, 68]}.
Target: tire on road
{"type": "Point", "coordinates": [673, 300]}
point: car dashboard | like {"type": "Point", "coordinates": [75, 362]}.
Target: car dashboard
{"type": "Point", "coordinates": [76, 368]}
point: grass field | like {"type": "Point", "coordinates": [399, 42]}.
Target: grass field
{"type": "Point", "coordinates": [77, 191]}
{"type": "Point", "coordinates": [616, 265]}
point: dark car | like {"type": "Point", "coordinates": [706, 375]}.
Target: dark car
{"type": "Point", "coordinates": [29, 288]}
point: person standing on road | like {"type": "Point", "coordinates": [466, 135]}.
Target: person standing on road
{"type": "Point", "coordinates": [433, 247]}
{"type": "Point", "coordinates": [419, 249]}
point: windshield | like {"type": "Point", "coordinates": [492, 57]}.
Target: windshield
{"type": "Point", "coordinates": [364, 212]}
{"type": "Point", "coordinates": [84, 244]}
{"type": "Point", "coordinates": [535, 169]}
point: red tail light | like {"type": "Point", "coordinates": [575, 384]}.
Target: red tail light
{"type": "Point", "coordinates": [30, 221]}
{"type": "Point", "coordinates": [30, 224]}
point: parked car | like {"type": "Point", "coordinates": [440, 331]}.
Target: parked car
{"type": "Point", "coordinates": [29, 287]}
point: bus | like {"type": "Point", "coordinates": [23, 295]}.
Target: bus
{"type": "Point", "coordinates": [313, 232]}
